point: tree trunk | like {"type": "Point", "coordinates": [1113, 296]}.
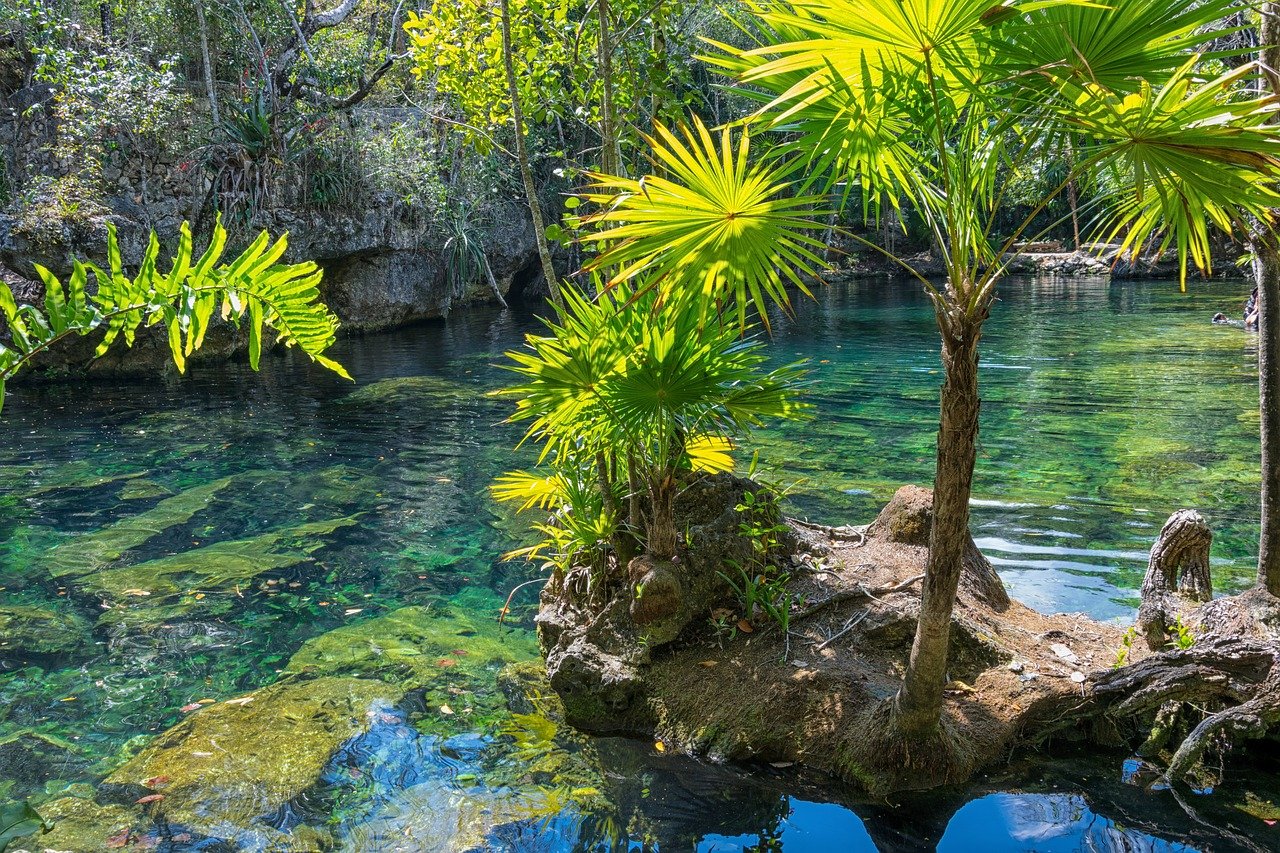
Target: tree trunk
{"type": "Point", "coordinates": [206, 64]}
{"type": "Point", "coordinates": [610, 153]}
{"type": "Point", "coordinates": [1266, 252]}
{"type": "Point", "coordinates": [1267, 268]}
{"type": "Point", "coordinates": [663, 538]}
{"type": "Point", "coordinates": [1179, 561]}
{"type": "Point", "coordinates": [526, 169]}
{"type": "Point", "coordinates": [918, 705]}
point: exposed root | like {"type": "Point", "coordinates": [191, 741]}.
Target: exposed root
{"type": "Point", "coordinates": [1242, 674]}
{"type": "Point", "coordinates": [898, 761]}
{"type": "Point", "coordinates": [1250, 720]}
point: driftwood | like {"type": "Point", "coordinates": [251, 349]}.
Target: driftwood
{"type": "Point", "coordinates": [1230, 676]}
{"type": "Point", "coordinates": [1178, 568]}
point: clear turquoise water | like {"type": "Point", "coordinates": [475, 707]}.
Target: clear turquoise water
{"type": "Point", "coordinates": [1106, 407]}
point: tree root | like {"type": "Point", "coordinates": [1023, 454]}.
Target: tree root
{"type": "Point", "coordinates": [898, 762]}
{"type": "Point", "coordinates": [1242, 674]}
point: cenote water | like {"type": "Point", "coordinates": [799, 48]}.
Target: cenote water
{"type": "Point", "coordinates": [201, 539]}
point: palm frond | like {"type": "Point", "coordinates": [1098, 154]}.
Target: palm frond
{"type": "Point", "coordinates": [1181, 158]}
{"type": "Point", "coordinates": [712, 226]}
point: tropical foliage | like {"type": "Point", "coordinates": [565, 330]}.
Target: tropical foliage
{"type": "Point", "coordinates": [254, 288]}
{"type": "Point", "coordinates": [935, 107]}
{"type": "Point", "coordinates": [625, 394]}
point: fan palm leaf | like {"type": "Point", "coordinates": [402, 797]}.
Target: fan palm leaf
{"type": "Point", "coordinates": [711, 225]}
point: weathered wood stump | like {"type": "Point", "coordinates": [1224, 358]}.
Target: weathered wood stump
{"type": "Point", "coordinates": [1179, 567]}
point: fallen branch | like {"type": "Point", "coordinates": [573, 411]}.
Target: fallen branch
{"type": "Point", "coordinates": [852, 623]}
{"type": "Point", "coordinates": [858, 592]}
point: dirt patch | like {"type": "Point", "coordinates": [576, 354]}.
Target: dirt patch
{"type": "Point", "coordinates": [732, 688]}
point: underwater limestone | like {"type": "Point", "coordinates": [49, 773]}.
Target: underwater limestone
{"type": "Point", "coordinates": [202, 579]}
{"type": "Point", "coordinates": [140, 488]}
{"type": "Point", "coordinates": [411, 391]}
{"type": "Point", "coordinates": [30, 759]}
{"type": "Point", "coordinates": [89, 552]}
{"type": "Point", "coordinates": [413, 645]}
{"type": "Point", "coordinates": [452, 651]}
{"type": "Point", "coordinates": [39, 631]}
{"type": "Point", "coordinates": [230, 765]}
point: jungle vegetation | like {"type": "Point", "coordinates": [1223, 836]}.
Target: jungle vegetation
{"type": "Point", "coordinates": [724, 147]}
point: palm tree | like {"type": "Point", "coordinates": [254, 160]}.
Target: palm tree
{"type": "Point", "coordinates": [629, 391]}
{"type": "Point", "coordinates": [934, 105]}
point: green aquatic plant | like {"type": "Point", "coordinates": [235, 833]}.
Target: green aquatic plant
{"type": "Point", "coordinates": [19, 820]}
{"type": "Point", "coordinates": [254, 288]}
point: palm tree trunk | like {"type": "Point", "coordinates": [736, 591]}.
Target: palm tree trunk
{"type": "Point", "coordinates": [1266, 251]}
{"type": "Point", "coordinates": [663, 539]}
{"type": "Point", "coordinates": [918, 705]}
{"type": "Point", "coordinates": [1266, 267]}
{"type": "Point", "coordinates": [526, 169]}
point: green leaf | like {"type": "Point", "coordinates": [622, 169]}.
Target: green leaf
{"type": "Point", "coordinates": [18, 820]}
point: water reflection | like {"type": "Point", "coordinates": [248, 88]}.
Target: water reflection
{"type": "Point", "coordinates": [1046, 823]}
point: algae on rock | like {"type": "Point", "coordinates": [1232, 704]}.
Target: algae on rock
{"type": "Point", "coordinates": [409, 391]}
{"type": "Point", "coordinates": [90, 552]}
{"type": "Point", "coordinates": [82, 826]}
{"type": "Point", "coordinates": [40, 631]}
{"type": "Point", "coordinates": [231, 764]}
{"type": "Point", "coordinates": [452, 652]}
{"type": "Point", "coordinates": [181, 584]}
{"type": "Point", "coordinates": [412, 646]}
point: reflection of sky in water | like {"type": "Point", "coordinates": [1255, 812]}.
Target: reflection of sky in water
{"type": "Point", "coordinates": [810, 828]}
{"type": "Point", "coordinates": [1044, 823]}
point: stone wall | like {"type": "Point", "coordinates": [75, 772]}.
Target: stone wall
{"type": "Point", "coordinates": [383, 259]}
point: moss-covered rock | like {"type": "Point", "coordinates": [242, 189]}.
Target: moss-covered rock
{"type": "Point", "coordinates": [228, 765]}
{"type": "Point", "coordinates": [202, 579]}
{"type": "Point", "coordinates": [83, 826]}
{"type": "Point", "coordinates": [90, 552]}
{"type": "Point", "coordinates": [140, 488]}
{"type": "Point", "coordinates": [412, 646]}
{"type": "Point", "coordinates": [40, 631]}
{"type": "Point", "coordinates": [409, 390]}
{"type": "Point", "coordinates": [29, 760]}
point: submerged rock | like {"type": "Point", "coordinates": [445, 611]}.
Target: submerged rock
{"type": "Point", "coordinates": [90, 552]}
{"type": "Point", "coordinates": [157, 590]}
{"type": "Point", "coordinates": [409, 390]}
{"type": "Point", "coordinates": [413, 646]}
{"type": "Point", "coordinates": [230, 765]}
{"type": "Point", "coordinates": [30, 760]}
{"type": "Point", "coordinates": [39, 631]}
{"type": "Point", "coordinates": [83, 826]}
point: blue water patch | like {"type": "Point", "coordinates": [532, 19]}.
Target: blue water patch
{"type": "Point", "coordinates": [1044, 823]}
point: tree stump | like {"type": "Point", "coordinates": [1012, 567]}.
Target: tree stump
{"type": "Point", "coordinates": [1179, 566]}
